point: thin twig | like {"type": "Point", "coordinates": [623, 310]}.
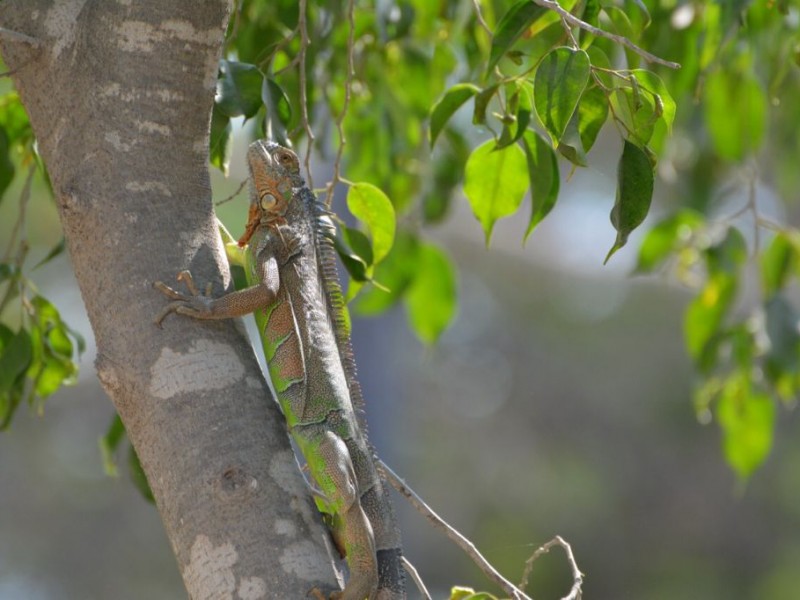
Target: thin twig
{"type": "Point", "coordinates": [481, 21]}
{"type": "Point", "coordinates": [304, 44]}
{"type": "Point", "coordinates": [19, 226]}
{"type": "Point", "coordinates": [234, 194]}
{"type": "Point", "coordinates": [462, 542]}
{"type": "Point", "coordinates": [412, 572]}
{"type": "Point", "coordinates": [347, 89]}
{"type": "Point", "coordinates": [19, 230]}
{"type": "Point", "coordinates": [575, 592]}
{"type": "Point", "coordinates": [21, 38]}
{"type": "Point", "coordinates": [623, 41]}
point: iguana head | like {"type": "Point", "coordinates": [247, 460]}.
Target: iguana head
{"type": "Point", "coordinates": [274, 172]}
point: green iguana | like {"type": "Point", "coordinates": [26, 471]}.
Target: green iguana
{"type": "Point", "coordinates": [295, 295]}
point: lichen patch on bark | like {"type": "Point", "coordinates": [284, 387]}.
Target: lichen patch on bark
{"type": "Point", "coordinates": [60, 23]}
{"type": "Point", "coordinates": [152, 127]}
{"type": "Point", "coordinates": [206, 365]}
{"type": "Point", "coordinates": [299, 559]}
{"type": "Point", "coordinates": [285, 527]}
{"type": "Point", "coordinates": [252, 588]}
{"type": "Point", "coordinates": [141, 36]}
{"type": "Point", "coordinates": [209, 573]}
{"type": "Point", "coordinates": [148, 187]}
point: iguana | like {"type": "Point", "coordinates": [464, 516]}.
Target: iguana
{"type": "Point", "coordinates": [295, 295]}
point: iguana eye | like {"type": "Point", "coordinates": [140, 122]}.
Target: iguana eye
{"type": "Point", "coordinates": [288, 160]}
{"type": "Point", "coordinates": [268, 201]}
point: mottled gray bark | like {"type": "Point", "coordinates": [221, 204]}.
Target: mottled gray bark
{"type": "Point", "coordinates": [119, 96]}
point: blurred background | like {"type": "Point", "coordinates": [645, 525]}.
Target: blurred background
{"type": "Point", "coordinates": [559, 402]}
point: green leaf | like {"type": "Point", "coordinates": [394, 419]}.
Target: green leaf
{"type": "Point", "coordinates": [6, 166]}
{"type": "Point", "coordinates": [8, 271]}
{"type": "Point", "coordinates": [138, 477]}
{"type": "Point", "coordinates": [544, 177]}
{"type": "Point", "coordinates": [728, 255]}
{"type": "Point", "coordinates": [636, 111]}
{"type": "Point", "coordinates": [495, 182]}
{"type": "Point", "coordinates": [666, 237]}
{"type": "Point", "coordinates": [778, 261]}
{"type": "Point", "coordinates": [109, 443]}
{"type": "Point", "coordinates": [12, 385]}
{"type": "Point", "coordinates": [52, 365]}
{"type": "Point", "coordinates": [15, 359]}
{"type": "Point", "coordinates": [634, 193]}
{"type": "Point", "coordinates": [394, 274]}
{"type": "Point", "coordinates": [521, 107]}
{"type": "Point", "coordinates": [355, 265]}
{"type": "Point", "coordinates": [747, 419]}
{"type": "Point", "coordinates": [465, 593]}
{"type": "Point", "coordinates": [704, 317]}
{"type": "Point", "coordinates": [583, 127]}
{"type": "Point", "coordinates": [511, 26]}
{"type": "Point", "coordinates": [359, 244]}
{"type": "Point", "coordinates": [781, 327]}
{"type": "Point", "coordinates": [373, 208]}
{"type": "Point", "coordinates": [482, 102]}
{"type": "Point", "coordinates": [236, 255]}
{"type": "Point", "coordinates": [431, 297]}
{"type": "Point", "coordinates": [220, 140]}
{"type": "Point", "coordinates": [57, 250]}
{"type": "Point", "coordinates": [238, 89]}
{"type": "Point", "coordinates": [54, 373]}
{"type": "Point", "coordinates": [735, 112]}
{"type": "Point", "coordinates": [558, 85]}
{"type": "Point", "coordinates": [706, 313]}
{"type": "Point", "coordinates": [279, 111]}
{"type": "Point", "coordinates": [653, 84]}
{"type": "Point", "coordinates": [447, 105]}
{"type": "Point", "coordinates": [14, 121]}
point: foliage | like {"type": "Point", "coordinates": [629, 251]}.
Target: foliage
{"type": "Point", "coordinates": [539, 89]}
{"type": "Point", "coordinates": [434, 99]}
{"type": "Point", "coordinates": [38, 351]}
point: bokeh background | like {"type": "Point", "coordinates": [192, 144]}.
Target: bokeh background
{"type": "Point", "coordinates": [559, 402]}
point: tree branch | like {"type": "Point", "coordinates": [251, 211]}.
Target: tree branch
{"type": "Point", "coordinates": [20, 38]}
{"type": "Point", "coordinates": [412, 572]}
{"type": "Point", "coordinates": [623, 41]}
{"type": "Point", "coordinates": [575, 592]}
{"type": "Point", "coordinates": [461, 541]}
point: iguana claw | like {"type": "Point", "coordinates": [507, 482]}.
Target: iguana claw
{"type": "Point", "coordinates": [196, 305]}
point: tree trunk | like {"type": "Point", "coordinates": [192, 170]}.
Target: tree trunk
{"type": "Point", "coordinates": [119, 96]}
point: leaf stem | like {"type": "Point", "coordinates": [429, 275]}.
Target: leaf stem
{"type": "Point", "coordinates": [481, 20]}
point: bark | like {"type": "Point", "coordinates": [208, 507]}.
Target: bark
{"type": "Point", "coordinates": [119, 96]}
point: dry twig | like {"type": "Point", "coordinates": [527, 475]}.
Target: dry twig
{"type": "Point", "coordinates": [575, 592]}
{"type": "Point", "coordinates": [623, 41]}
{"type": "Point", "coordinates": [412, 572]}
{"type": "Point", "coordinates": [302, 25]}
{"type": "Point", "coordinates": [479, 16]}
{"type": "Point", "coordinates": [348, 82]}
{"type": "Point", "coordinates": [462, 542]}
{"type": "Point", "coordinates": [234, 194]}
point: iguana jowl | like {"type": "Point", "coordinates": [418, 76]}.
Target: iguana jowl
{"type": "Point", "coordinates": [295, 294]}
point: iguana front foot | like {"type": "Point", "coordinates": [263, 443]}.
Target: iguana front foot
{"type": "Point", "coordinates": [197, 305]}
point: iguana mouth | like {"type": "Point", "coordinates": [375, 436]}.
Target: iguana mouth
{"type": "Point", "coordinates": [267, 173]}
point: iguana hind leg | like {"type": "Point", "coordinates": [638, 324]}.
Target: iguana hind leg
{"type": "Point", "coordinates": [351, 529]}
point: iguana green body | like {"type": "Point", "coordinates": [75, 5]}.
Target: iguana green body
{"type": "Point", "coordinates": [295, 294]}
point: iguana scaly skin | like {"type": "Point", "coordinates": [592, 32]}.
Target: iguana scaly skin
{"type": "Point", "coordinates": [295, 294]}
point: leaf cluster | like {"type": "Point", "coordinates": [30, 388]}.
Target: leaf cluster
{"type": "Point", "coordinates": [38, 350]}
